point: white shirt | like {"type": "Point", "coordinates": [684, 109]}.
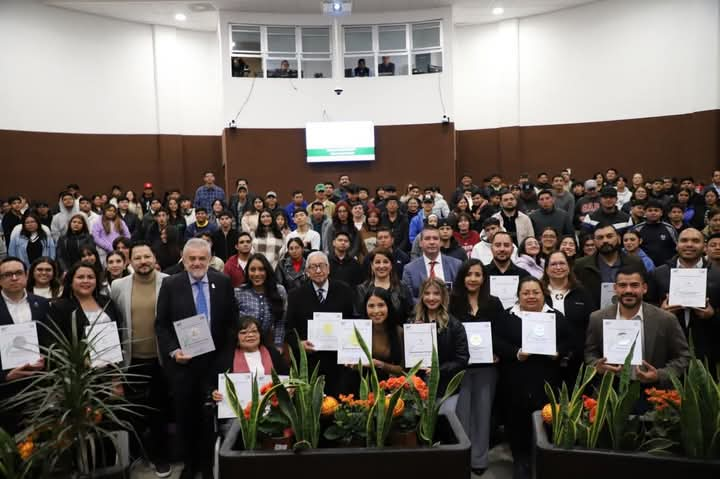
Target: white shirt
{"type": "Point", "coordinates": [310, 236]}
{"type": "Point", "coordinates": [19, 310]}
{"type": "Point", "coordinates": [558, 298]}
{"type": "Point", "coordinates": [325, 286]}
{"type": "Point", "coordinates": [254, 362]}
{"type": "Point", "coordinates": [439, 273]}
{"type": "Point", "coordinates": [42, 292]}
{"type": "Point", "coordinates": [98, 316]}
{"type": "Point", "coordinates": [638, 315]}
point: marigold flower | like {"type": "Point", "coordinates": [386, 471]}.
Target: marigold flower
{"type": "Point", "coordinates": [588, 402]}
{"type": "Point", "coordinates": [593, 413]}
{"type": "Point", "coordinates": [329, 406]}
{"type": "Point", "coordinates": [547, 413]}
{"type": "Point", "coordinates": [399, 406]}
{"type": "Point", "coordinates": [26, 448]}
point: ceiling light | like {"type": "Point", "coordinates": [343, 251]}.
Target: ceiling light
{"type": "Point", "coordinates": [498, 11]}
{"type": "Point", "coordinates": [180, 17]}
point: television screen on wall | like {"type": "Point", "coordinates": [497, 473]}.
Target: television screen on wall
{"type": "Point", "coordinates": [340, 141]}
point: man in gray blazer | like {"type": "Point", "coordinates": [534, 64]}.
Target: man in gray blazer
{"type": "Point", "coordinates": [431, 263]}
{"type": "Point", "coordinates": [664, 348]}
{"type": "Point", "coordinates": [136, 298]}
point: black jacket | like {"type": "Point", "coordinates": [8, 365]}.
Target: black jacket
{"type": "Point", "coordinates": [454, 250]}
{"type": "Point", "coordinates": [453, 352]}
{"type": "Point", "coordinates": [588, 273]}
{"type": "Point", "coordinates": [400, 229]}
{"type": "Point", "coordinates": [224, 245]}
{"type": "Point", "coordinates": [490, 311]}
{"type": "Point", "coordinates": [61, 312]}
{"type": "Point", "coordinates": [68, 248]}
{"type": "Point", "coordinates": [131, 221]}
{"type": "Point", "coordinates": [347, 270]}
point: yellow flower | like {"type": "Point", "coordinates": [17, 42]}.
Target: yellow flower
{"type": "Point", "coordinates": [329, 405]}
{"type": "Point", "coordinates": [547, 413]}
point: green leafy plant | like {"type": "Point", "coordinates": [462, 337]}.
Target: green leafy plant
{"type": "Point", "coordinates": [349, 422]}
{"type": "Point", "coordinates": [74, 407]}
{"type": "Point", "coordinates": [624, 433]}
{"type": "Point", "coordinates": [304, 406]}
{"type": "Point", "coordinates": [429, 407]}
{"type": "Point", "coordinates": [249, 417]}
{"type": "Point", "coordinates": [18, 461]}
{"type": "Point", "coordinates": [567, 409]}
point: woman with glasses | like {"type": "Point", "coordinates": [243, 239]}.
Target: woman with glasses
{"type": "Point", "coordinates": [529, 257]}
{"type": "Point", "coordinates": [548, 241]}
{"type": "Point", "coordinates": [568, 296]}
{"type": "Point", "coordinates": [44, 278]}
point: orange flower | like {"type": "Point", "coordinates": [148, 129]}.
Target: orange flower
{"type": "Point", "coordinates": [288, 432]}
{"type": "Point", "coordinates": [248, 410]}
{"type": "Point", "coordinates": [266, 388]}
{"type": "Point", "coordinates": [346, 399]}
{"type": "Point", "coordinates": [593, 413]}
{"type": "Point", "coordinates": [588, 402]}
{"type": "Point", "coordinates": [547, 414]}
{"type": "Point", "coordinates": [399, 406]}
{"type": "Point", "coordinates": [98, 417]}
{"type": "Point", "coordinates": [329, 406]}
{"type": "Point", "coordinates": [26, 448]}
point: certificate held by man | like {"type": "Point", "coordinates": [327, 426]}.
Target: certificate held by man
{"type": "Point", "coordinates": [324, 331]}
{"type": "Point", "coordinates": [618, 338]}
{"type": "Point", "coordinates": [19, 345]}
{"type": "Point", "coordinates": [538, 333]}
{"type": "Point", "coordinates": [688, 287]}
{"type": "Point", "coordinates": [349, 350]}
{"type": "Point", "coordinates": [194, 335]}
{"type": "Point", "coordinates": [419, 340]}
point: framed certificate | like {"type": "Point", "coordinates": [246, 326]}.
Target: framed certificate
{"type": "Point", "coordinates": [349, 350]}
{"type": "Point", "coordinates": [419, 340]}
{"type": "Point", "coordinates": [618, 338]}
{"type": "Point", "coordinates": [479, 336]}
{"type": "Point", "coordinates": [538, 333]}
{"type": "Point", "coordinates": [194, 335]}
{"type": "Point", "coordinates": [19, 345]}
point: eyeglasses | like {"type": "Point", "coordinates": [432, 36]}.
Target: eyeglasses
{"type": "Point", "coordinates": [315, 267]}
{"type": "Point", "coordinates": [12, 274]}
{"type": "Point", "coordinates": [251, 332]}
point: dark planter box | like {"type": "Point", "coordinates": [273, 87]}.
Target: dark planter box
{"type": "Point", "coordinates": [451, 458]}
{"type": "Point", "coordinates": [552, 462]}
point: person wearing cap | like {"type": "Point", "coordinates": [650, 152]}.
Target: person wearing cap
{"type": "Point", "coordinates": [549, 215]}
{"type": "Point", "coordinates": [564, 200]}
{"type": "Point", "coordinates": [608, 213]}
{"type": "Point", "coordinates": [147, 196]}
{"type": "Point", "coordinates": [298, 202]}
{"type": "Point", "coordinates": [416, 225]}
{"type": "Point", "coordinates": [271, 202]}
{"type": "Point", "coordinates": [320, 196]}
{"type": "Point", "coordinates": [448, 244]}
{"type": "Point", "coordinates": [528, 201]}
{"type": "Point", "coordinates": [587, 204]}
{"type": "Point", "coordinates": [206, 194]}
{"type": "Point", "coordinates": [659, 239]}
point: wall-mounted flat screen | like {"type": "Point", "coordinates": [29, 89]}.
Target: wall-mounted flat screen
{"type": "Point", "coordinates": [340, 141]}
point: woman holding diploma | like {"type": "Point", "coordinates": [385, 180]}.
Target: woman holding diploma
{"type": "Point", "coordinates": [382, 275]}
{"type": "Point", "coordinates": [470, 301]}
{"type": "Point", "coordinates": [523, 375]}
{"type": "Point", "coordinates": [81, 295]}
{"type": "Point", "coordinates": [452, 345]}
{"type": "Point", "coordinates": [566, 295]}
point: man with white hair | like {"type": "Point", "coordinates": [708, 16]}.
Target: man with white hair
{"type": "Point", "coordinates": [319, 295]}
{"type": "Point", "coordinates": [196, 291]}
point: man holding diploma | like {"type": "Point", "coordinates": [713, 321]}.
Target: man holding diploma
{"type": "Point", "coordinates": [16, 307]}
{"type": "Point", "coordinates": [195, 291]}
{"type": "Point", "coordinates": [663, 345]}
{"type": "Point", "coordinates": [683, 274]}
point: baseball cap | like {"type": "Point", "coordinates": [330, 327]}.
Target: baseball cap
{"type": "Point", "coordinates": [427, 199]}
{"type": "Point", "coordinates": [147, 186]}
{"type": "Point", "coordinates": [271, 193]}
{"type": "Point", "coordinates": [590, 185]}
{"type": "Point", "coordinates": [320, 187]}
{"type": "Point", "coordinates": [609, 192]}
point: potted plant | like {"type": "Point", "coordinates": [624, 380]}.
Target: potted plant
{"type": "Point", "coordinates": [404, 431]}
{"type": "Point", "coordinates": [75, 413]}
{"type": "Point", "coordinates": [349, 425]}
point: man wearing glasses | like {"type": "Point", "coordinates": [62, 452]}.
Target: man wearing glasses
{"type": "Point", "coordinates": [315, 296]}
{"type": "Point", "coordinates": [16, 306]}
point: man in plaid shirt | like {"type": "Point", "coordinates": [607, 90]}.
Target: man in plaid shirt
{"type": "Point", "coordinates": [209, 192]}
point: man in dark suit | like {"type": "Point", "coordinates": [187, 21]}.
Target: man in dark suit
{"type": "Point", "coordinates": [664, 348]}
{"type": "Point", "coordinates": [195, 291]}
{"type": "Point", "coordinates": [703, 322]}
{"type": "Point", "coordinates": [16, 306]}
{"type": "Point", "coordinates": [430, 264]}
{"type": "Point", "coordinates": [319, 295]}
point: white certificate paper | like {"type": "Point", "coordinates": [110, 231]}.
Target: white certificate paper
{"type": "Point", "coordinates": [349, 350]}
{"type": "Point", "coordinates": [479, 337]}
{"type": "Point", "coordinates": [324, 331]}
{"type": "Point", "coordinates": [105, 339]}
{"type": "Point", "coordinates": [419, 340]}
{"type": "Point", "coordinates": [505, 289]}
{"type": "Point", "coordinates": [19, 345]}
{"type": "Point", "coordinates": [618, 338]}
{"type": "Point", "coordinates": [607, 294]}
{"type": "Point", "coordinates": [688, 287]}
{"type": "Point", "coordinates": [538, 333]}
{"type": "Point", "coordinates": [194, 335]}
{"type": "Point", "coordinates": [243, 388]}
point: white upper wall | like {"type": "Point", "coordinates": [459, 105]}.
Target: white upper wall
{"type": "Point", "coordinates": [282, 103]}
{"type": "Point", "coordinates": [608, 60]}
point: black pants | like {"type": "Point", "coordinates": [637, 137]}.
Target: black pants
{"type": "Point", "coordinates": [151, 392]}
{"type": "Point", "coordinates": [189, 386]}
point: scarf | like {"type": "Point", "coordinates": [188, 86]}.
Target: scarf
{"type": "Point", "coordinates": [240, 364]}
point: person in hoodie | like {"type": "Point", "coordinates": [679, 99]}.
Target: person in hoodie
{"type": "Point", "coordinates": [527, 202]}
{"type": "Point", "coordinates": [70, 244]}
{"type": "Point", "coordinates": [448, 244]}
{"type": "Point", "coordinates": [66, 209]}
{"type": "Point", "coordinates": [440, 207]}
{"type": "Point", "coordinates": [586, 204]}
{"type": "Point", "coordinates": [659, 238]}
{"type": "Point", "coordinates": [608, 213]}
{"type": "Point", "coordinates": [548, 215]}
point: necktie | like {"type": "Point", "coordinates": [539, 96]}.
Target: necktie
{"type": "Point", "coordinates": [200, 304]}
{"type": "Point", "coordinates": [321, 294]}
{"type": "Point", "coordinates": [432, 268]}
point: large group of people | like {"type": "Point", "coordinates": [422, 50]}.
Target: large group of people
{"type": "Point", "coordinates": [582, 251]}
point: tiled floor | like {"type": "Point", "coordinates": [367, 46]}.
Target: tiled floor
{"type": "Point", "coordinates": [500, 466]}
